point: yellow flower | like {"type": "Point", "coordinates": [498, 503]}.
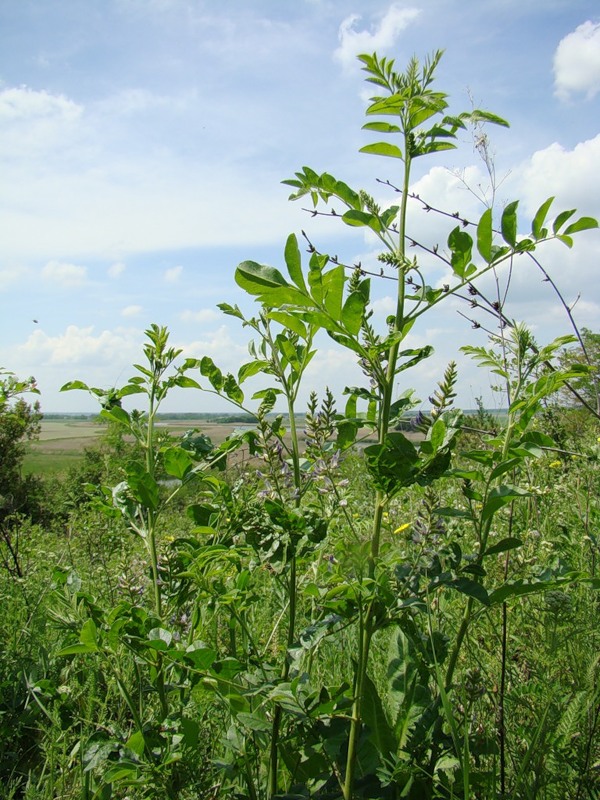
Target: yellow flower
{"type": "Point", "coordinates": [555, 464]}
{"type": "Point", "coordinates": [403, 527]}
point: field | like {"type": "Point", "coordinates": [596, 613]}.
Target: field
{"type": "Point", "coordinates": [61, 443]}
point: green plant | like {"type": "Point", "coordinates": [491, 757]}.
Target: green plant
{"type": "Point", "coordinates": [396, 558]}
{"type": "Point", "coordinates": [328, 300]}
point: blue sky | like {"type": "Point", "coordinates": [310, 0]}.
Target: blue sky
{"type": "Point", "coordinates": [143, 144]}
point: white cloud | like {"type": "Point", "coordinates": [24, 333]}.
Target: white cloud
{"type": "Point", "coordinates": [577, 62]}
{"type": "Point", "coordinates": [12, 275]}
{"type": "Point", "coordinates": [135, 101]}
{"type": "Point", "coordinates": [381, 36]}
{"type": "Point", "coordinates": [228, 353]}
{"type": "Point", "coordinates": [385, 305]}
{"type": "Point", "coordinates": [81, 346]}
{"type": "Point", "coordinates": [131, 311]}
{"type": "Point", "coordinates": [572, 176]}
{"type": "Point", "coordinates": [173, 274]}
{"type": "Point", "coordinates": [63, 274]}
{"type": "Point", "coordinates": [23, 103]}
{"type": "Point", "coordinates": [34, 122]}
{"type": "Point", "coordinates": [116, 269]}
{"type": "Point", "coordinates": [203, 315]}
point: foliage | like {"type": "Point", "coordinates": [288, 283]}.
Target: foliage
{"type": "Point", "coordinates": [327, 617]}
{"type": "Point", "coordinates": [586, 352]}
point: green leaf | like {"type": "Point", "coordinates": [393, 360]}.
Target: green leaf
{"type": "Point", "coordinates": [353, 312]}
{"type": "Point", "coordinates": [142, 485]}
{"type": "Point", "coordinates": [116, 414]}
{"type": "Point", "coordinates": [503, 467]}
{"type": "Point", "coordinates": [123, 770]}
{"type": "Point", "coordinates": [447, 511]}
{"type": "Point", "coordinates": [382, 149]}
{"type": "Point", "coordinates": [381, 127]}
{"type": "Point", "coordinates": [177, 462]}
{"type": "Point", "coordinates": [521, 587]}
{"type": "Point", "coordinates": [561, 219]}
{"type": "Point", "coordinates": [185, 382]}
{"type": "Point", "coordinates": [253, 722]}
{"type": "Point", "coordinates": [582, 224]}
{"type": "Point", "coordinates": [333, 290]}
{"type": "Point", "coordinates": [232, 311]}
{"type": "Point", "coordinates": [136, 743]}
{"type": "Point", "coordinates": [363, 219]}
{"type": "Point", "coordinates": [76, 649]}
{"type": "Point", "coordinates": [479, 115]}
{"type": "Point", "coordinates": [509, 223]}
{"type": "Point", "coordinates": [392, 464]}
{"type": "Point", "coordinates": [293, 261]}
{"type": "Point", "coordinates": [565, 239]}
{"type": "Point", "coordinates": [202, 513]}
{"type": "Point", "coordinates": [471, 588]}
{"type": "Point", "coordinates": [461, 247]}
{"type": "Point", "coordinates": [433, 147]}
{"type": "Point", "coordinates": [289, 321]}
{"type": "Point", "coordinates": [201, 656]}
{"type": "Point", "coordinates": [256, 278]}
{"type": "Point", "coordinates": [159, 638]}
{"type": "Point", "coordinates": [537, 226]}
{"type": "Point", "coordinates": [68, 387]}
{"type": "Point", "coordinates": [381, 734]}
{"type": "Point", "coordinates": [232, 390]}
{"type": "Point", "coordinates": [508, 543]}
{"type": "Point", "coordinates": [131, 388]}
{"type": "Point", "coordinates": [89, 634]}
{"type": "Point", "coordinates": [499, 497]}
{"type": "Point", "coordinates": [209, 370]}
{"type": "Point", "coordinates": [485, 235]}
{"type": "Point", "coordinates": [252, 368]}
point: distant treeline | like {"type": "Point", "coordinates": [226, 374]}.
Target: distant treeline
{"type": "Point", "coordinates": [172, 417]}
{"type": "Point", "coordinates": [227, 419]}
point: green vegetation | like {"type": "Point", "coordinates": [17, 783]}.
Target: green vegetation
{"type": "Point", "coordinates": [319, 605]}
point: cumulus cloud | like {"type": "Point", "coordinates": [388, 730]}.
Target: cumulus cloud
{"type": "Point", "coordinates": [64, 274]}
{"type": "Point", "coordinates": [173, 274]}
{"type": "Point", "coordinates": [80, 346]}
{"type": "Point", "coordinates": [23, 103]}
{"type": "Point", "coordinates": [131, 311]}
{"type": "Point", "coordinates": [381, 36]}
{"type": "Point", "coordinates": [202, 315]}
{"type": "Point", "coordinates": [33, 122]}
{"type": "Point", "coordinates": [577, 62]}
{"type": "Point", "coordinates": [384, 305]}
{"type": "Point", "coordinates": [572, 176]}
{"type": "Point", "coordinates": [116, 269]}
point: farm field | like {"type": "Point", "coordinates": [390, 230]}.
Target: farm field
{"type": "Point", "coordinates": [61, 443]}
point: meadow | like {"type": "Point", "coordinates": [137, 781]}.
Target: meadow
{"type": "Point", "coordinates": [62, 442]}
{"type": "Point", "coordinates": [357, 597]}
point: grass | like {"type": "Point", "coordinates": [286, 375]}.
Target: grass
{"type": "Point", "coordinates": [61, 443]}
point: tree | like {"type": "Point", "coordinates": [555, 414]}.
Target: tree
{"type": "Point", "coordinates": [588, 386]}
{"type": "Point", "coordinates": [19, 495]}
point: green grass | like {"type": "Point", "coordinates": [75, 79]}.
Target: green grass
{"type": "Point", "coordinates": [51, 463]}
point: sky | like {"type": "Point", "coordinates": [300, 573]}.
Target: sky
{"type": "Point", "coordinates": [143, 145]}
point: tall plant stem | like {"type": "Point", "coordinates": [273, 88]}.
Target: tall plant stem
{"type": "Point", "coordinates": [292, 591]}
{"type": "Point", "coordinates": [366, 627]}
{"type": "Point", "coordinates": [153, 551]}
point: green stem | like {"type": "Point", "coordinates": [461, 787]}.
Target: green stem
{"type": "Point", "coordinates": [367, 627]}
{"type": "Point", "coordinates": [292, 590]}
